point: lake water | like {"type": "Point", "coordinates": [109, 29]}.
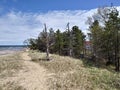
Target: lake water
{"type": "Point", "coordinates": [10, 49]}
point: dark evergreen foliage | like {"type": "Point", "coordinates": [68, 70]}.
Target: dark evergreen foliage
{"type": "Point", "coordinates": [59, 42]}
{"type": "Point", "coordinates": [104, 39]}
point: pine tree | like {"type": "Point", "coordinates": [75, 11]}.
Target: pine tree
{"type": "Point", "coordinates": [105, 39]}
{"type": "Point", "coordinates": [77, 41]}
{"type": "Point", "coordinates": [112, 26]}
{"type": "Point", "coordinates": [58, 46]}
{"type": "Point", "coordinates": [96, 40]}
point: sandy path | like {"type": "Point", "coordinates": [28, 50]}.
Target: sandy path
{"type": "Point", "coordinates": [31, 77]}
{"type": "Point", "coordinates": [25, 56]}
{"type": "Point", "coordinates": [34, 76]}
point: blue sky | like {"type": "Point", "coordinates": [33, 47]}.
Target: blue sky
{"type": "Point", "coordinates": [22, 19]}
{"type": "Point", "coordinates": [48, 5]}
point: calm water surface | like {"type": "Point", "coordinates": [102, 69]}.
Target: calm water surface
{"type": "Point", "coordinates": [10, 49]}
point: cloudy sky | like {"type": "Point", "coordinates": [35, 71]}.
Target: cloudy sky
{"type": "Point", "coordinates": [22, 19]}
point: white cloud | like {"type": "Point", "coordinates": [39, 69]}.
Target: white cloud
{"type": "Point", "coordinates": [15, 27]}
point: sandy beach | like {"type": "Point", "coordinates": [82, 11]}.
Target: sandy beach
{"type": "Point", "coordinates": [7, 52]}
{"type": "Point", "coordinates": [10, 50]}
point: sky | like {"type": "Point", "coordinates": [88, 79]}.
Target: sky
{"type": "Point", "coordinates": [23, 19]}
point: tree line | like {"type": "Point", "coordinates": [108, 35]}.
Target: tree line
{"type": "Point", "coordinates": [68, 43]}
{"type": "Point", "coordinates": [104, 37]}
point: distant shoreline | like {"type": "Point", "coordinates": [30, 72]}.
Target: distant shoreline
{"type": "Point", "coordinates": [10, 49]}
{"type": "Point", "coordinates": [7, 52]}
{"type": "Point", "coordinates": [13, 45]}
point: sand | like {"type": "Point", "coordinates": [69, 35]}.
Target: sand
{"type": "Point", "coordinates": [7, 52]}
{"type": "Point", "coordinates": [31, 77]}
{"type": "Point", "coordinates": [34, 76]}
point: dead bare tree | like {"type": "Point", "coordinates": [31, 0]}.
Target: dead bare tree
{"type": "Point", "coordinates": [47, 43]}
{"type": "Point", "coordinates": [70, 39]}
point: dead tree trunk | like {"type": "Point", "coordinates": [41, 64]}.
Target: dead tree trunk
{"type": "Point", "coordinates": [70, 40]}
{"type": "Point", "coordinates": [47, 43]}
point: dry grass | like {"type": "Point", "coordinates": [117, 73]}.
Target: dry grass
{"type": "Point", "coordinates": [104, 79]}
{"type": "Point", "coordinates": [65, 73]}
{"type": "Point", "coordinates": [9, 65]}
{"type": "Point", "coordinates": [36, 55]}
{"type": "Point", "coordinates": [72, 74]}
{"type": "Point", "coordinates": [11, 86]}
